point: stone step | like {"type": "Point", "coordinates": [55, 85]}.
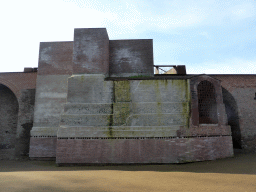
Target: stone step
{"type": "Point", "coordinates": [153, 119]}
{"type": "Point", "coordinates": [86, 120]}
{"type": "Point", "coordinates": [126, 107]}
{"type": "Point", "coordinates": [118, 131]}
{"type": "Point", "coordinates": [88, 108]}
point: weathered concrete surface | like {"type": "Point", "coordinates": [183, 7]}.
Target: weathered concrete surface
{"type": "Point", "coordinates": [9, 108]}
{"type": "Point", "coordinates": [88, 108]}
{"type": "Point", "coordinates": [89, 88]}
{"type": "Point", "coordinates": [158, 91]}
{"type": "Point", "coordinates": [91, 51]}
{"type": "Point", "coordinates": [131, 58]}
{"type": "Point", "coordinates": [55, 58]}
{"type": "Point", "coordinates": [25, 122]}
{"type": "Point", "coordinates": [51, 94]}
{"type": "Point", "coordinates": [118, 132]}
{"type": "Point", "coordinates": [178, 150]}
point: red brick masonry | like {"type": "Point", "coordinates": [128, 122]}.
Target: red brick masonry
{"type": "Point", "coordinates": [168, 150]}
{"type": "Point", "coordinates": [41, 147]}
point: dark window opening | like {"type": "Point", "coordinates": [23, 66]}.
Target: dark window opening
{"type": "Point", "coordinates": [207, 106]}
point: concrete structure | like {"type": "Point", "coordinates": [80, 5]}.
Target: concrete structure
{"type": "Point", "coordinates": [99, 101]}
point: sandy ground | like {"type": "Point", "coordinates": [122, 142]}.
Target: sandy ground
{"type": "Point", "coordinates": [230, 174]}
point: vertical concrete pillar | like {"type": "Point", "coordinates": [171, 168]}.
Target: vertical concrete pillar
{"type": "Point", "coordinates": [55, 66]}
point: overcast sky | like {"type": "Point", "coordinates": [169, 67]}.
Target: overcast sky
{"type": "Point", "coordinates": [212, 37]}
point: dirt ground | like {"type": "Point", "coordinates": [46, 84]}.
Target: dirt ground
{"type": "Point", "coordinates": [230, 174]}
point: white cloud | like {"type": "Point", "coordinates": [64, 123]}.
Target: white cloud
{"type": "Point", "coordinates": [26, 23]}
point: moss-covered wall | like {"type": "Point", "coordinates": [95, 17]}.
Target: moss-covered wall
{"type": "Point", "coordinates": [160, 102]}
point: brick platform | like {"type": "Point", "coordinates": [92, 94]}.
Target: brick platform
{"type": "Point", "coordinates": [142, 150]}
{"type": "Point", "coordinates": [41, 147]}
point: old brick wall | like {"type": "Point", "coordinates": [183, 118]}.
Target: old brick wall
{"type": "Point", "coordinates": [13, 86]}
{"type": "Point", "coordinates": [142, 150]}
{"type": "Point", "coordinates": [238, 96]}
{"type": "Point", "coordinates": [18, 81]}
{"type": "Point", "coordinates": [25, 122]}
{"type": "Point", "coordinates": [8, 122]}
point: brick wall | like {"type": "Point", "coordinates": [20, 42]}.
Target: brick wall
{"type": "Point", "coordinates": [16, 102]}
{"type": "Point", "coordinates": [25, 122]}
{"type": "Point", "coordinates": [238, 95]}
{"type": "Point", "coordinates": [8, 122]}
{"type": "Point", "coordinates": [18, 81]}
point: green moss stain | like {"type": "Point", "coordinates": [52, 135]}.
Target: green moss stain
{"type": "Point", "coordinates": [184, 87]}
{"type": "Point", "coordinates": [122, 99]}
{"type": "Point", "coordinates": [159, 114]}
{"type": "Point", "coordinates": [110, 123]}
{"type": "Point", "coordinates": [82, 78]}
{"type": "Point", "coordinates": [121, 113]}
{"type": "Point", "coordinates": [122, 91]}
{"type": "Point", "coordinates": [110, 131]}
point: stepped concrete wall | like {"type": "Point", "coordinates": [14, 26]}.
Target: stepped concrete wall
{"type": "Point", "coordinates": [139, 121]}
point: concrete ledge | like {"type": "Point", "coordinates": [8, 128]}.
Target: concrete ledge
{"type": "Point", "coordinates": [44, 131]}
{"type": "Point", "coordinates": [204, 130]}
{"type": "Point", "coordinates": [119, 131]}
{"type": "Point", "coordinates": [86, 120]}
{"type": "Point", "coordinates": [88, 108]}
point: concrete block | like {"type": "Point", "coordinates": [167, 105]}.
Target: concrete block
{"type": "Point", "coordinates": [89, 89]}
{"type": "Point", "coordinates": [151, 107]}
{"type": "Point", "coordinates": [155, 120]}
{"type": "Point", "coordinates": [55, 58]}
{"type": "Point", "coordinates": [131, 58]}
{"type": "Point", "coordinates": [91, 51]}
{"type": "Point", "coordinates": [44, 131]}
{"type": "Point", "coordinates": [88, 108]}
{"type": "Point", "coordinates": [86, 120]}
{"type": "Point", "coordinates": [51, 94]}
{"type": "Point", "coordinates": [118, 131]}
{"type": "Point", "coordinates": [159, 91]}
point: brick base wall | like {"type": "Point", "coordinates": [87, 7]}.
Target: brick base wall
{"type": "Point", "coordinates": [41, 147]}
{"type": "Point", "coordinates": [149, 150]}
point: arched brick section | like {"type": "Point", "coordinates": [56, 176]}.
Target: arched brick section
{"type": "Point", "coordinates": [11, 86]}
{"type": "Point", "coordinates": [9, 108]}
{"type": "Point", "coordinates": [221, 114]}
{"type": "Point", "coordinates": [22, 87]}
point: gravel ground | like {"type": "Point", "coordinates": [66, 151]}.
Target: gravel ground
{"type": "Point", "coordinates": [230, 174]}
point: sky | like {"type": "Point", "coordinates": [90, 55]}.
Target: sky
{"type": "Point", "coordinates": [208, 36]}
